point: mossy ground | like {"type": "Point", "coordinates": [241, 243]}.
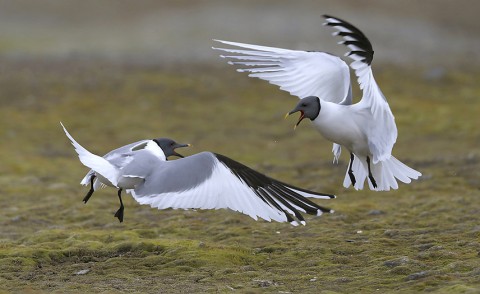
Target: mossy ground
{"type": "Point", "coordinates": [423, 237]}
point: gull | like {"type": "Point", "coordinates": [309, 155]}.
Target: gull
{"type": "Point", "coordinates": [204, 180]}
{"type": "Point", "coordinates": [321, 80]}
{"type": "Point", "coordinates": [161, 147]}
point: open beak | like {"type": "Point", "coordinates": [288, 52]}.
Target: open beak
{"type": "Point", "coordinates": [302, 116]}
{"type": "Point", "coordinates": [180, 146]}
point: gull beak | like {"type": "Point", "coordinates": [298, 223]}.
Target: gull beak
{"type": "Point", "coordinates": [302, 116]}
{"type": "Point", "coordinates": [180, 146]}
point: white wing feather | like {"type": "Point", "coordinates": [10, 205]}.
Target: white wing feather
{"type": "Point", "coordinates": [95, 162]}
{"type": "Point", "coordinates": [300, 73]}
{"type": "Point", "coordinates": [222, 190]}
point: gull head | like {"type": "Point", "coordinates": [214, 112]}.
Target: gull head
{"type": "Point", "coordinates": [309, 107]}
{"type": "Point", "coordinates": [168, 146]}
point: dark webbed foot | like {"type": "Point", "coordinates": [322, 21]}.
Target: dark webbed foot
{"type": "Point", "coordinates": [90, 192]}
{"type": "Point", "coordinates": [370, 176]}
{"type": "Point", "coordinates": [119, 213]}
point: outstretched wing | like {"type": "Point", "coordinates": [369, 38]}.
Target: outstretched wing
{"type": "Point", "coordinates": [212, 181]}
{"type": "Point", "coordinates": [95, 162]}
{"type": "Point", "coordinates": [383, 132]}
{"type": "Point", "coordinates": [301, 73]}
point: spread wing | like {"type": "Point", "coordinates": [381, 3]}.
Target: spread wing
{"type": "Point", "coordinates": [301, 73]}
{"type": "Point", "coordinates": [212, 181]}
{"type": "Point", "coordinates": [95, 162]}
{"type": "Point", "coordinates": [383, 131]}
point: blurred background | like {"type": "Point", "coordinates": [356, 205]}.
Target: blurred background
{"type": "Point", "coordinates": [115, 72]}
{"type": "Point", "coordinates": [428, 32]}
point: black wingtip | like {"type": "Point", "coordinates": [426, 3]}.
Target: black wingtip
{"type": "Point", "coordinates": [331, 196]}
{"type": "Point", "coordinates": [339, 20]}
{"type": "Point", "coordinates": [352, 32]}
{"type": "Point", "coordinates": [327, 16]}
{"type": "Point", "coordinates": [276, 194]}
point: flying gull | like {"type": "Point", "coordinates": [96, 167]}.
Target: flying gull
{"type": "Point", "coordinates": [117, 158]}
{"type": "Point", "coordinates": [202, 181]}
{"type": "Point", "coordinates": [322, 82]}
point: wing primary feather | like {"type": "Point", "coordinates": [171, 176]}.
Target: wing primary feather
{"type": "Point", "coordinates": [269, 198]}
{"type": "Point", "coordinates": [331, 196]}
{"type": "Point", "coordinates": [253, 179]}
{"type": "Point", "coordinates": [342, 23]}
{"type": "Point", "coordinates": [250, 180]}
{"type": "Point", "coordinates": [309, 206]}
{"type": "Point", "coordinates": [274, 204]}
{"type": "Point", "coordinates": [353, 37]}
{"type": "Point", "coordinates": [288, 197]}
{"type": "Point", "coordinates": [288, 205]}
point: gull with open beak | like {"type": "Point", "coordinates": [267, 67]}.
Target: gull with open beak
{"type": "Point", "coordinates": [205, 180]}
{"type": "Point", "coordinates": [322, 81]}
{"type": "Point", "coordinates": [161, 148]}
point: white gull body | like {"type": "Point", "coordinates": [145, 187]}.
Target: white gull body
{"type": "Point", "coordinates": [367, 128]}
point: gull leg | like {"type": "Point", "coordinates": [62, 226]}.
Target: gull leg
{"type": "Point", "coordinates": [90, 192]}
{"type": "Point", "coordinates": [370, 176]}
{"type": "Point", "coordinates": [350, 171]}
{"type": "Point", "coordinates": [119, 213]}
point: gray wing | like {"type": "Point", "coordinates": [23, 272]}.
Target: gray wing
{"type": "Point", "coordinates": [213, 181]}
{"type": "Point", "coordinates": [115, 157]}
{"type": "Point", "coordinates": [114, 154]}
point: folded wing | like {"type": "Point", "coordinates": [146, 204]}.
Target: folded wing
{"type": "Point", "coordinates": [116, 157]}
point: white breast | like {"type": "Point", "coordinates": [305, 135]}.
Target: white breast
{"type": "Point", "coordinates": [341, 124]}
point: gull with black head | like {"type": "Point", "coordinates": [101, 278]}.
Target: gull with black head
{"type": "Point", "coordinates": [117, 158]}
{"type": "Point", "coordinates": [205, 180]}
{"type": "Point", "coordinates": [322, 81]}
{"type": "Point", "coordinates": [161, 148]}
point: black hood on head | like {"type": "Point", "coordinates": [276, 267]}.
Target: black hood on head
{"type": "Point", "coordinates": [309, 108]}
{"type": "Point", "coordinates": [168, 146]}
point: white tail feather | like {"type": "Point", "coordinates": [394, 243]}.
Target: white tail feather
{"type": "Point", "coordinates": [386, 173]}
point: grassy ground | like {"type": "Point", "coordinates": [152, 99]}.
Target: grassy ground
{"type": "Point", "coordinates": [425, 236]}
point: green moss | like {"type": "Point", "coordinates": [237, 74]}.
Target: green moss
{"type": "Point", "coordinates": [424, 239]}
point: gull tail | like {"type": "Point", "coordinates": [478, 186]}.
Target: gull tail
{"type": "Point", "coordinates": [99, 164]}
{"type": "Point", "coordinates": [386, 173]}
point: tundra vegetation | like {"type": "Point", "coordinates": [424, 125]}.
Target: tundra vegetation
{"type": "Point", "coordinates": [422, 237]}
